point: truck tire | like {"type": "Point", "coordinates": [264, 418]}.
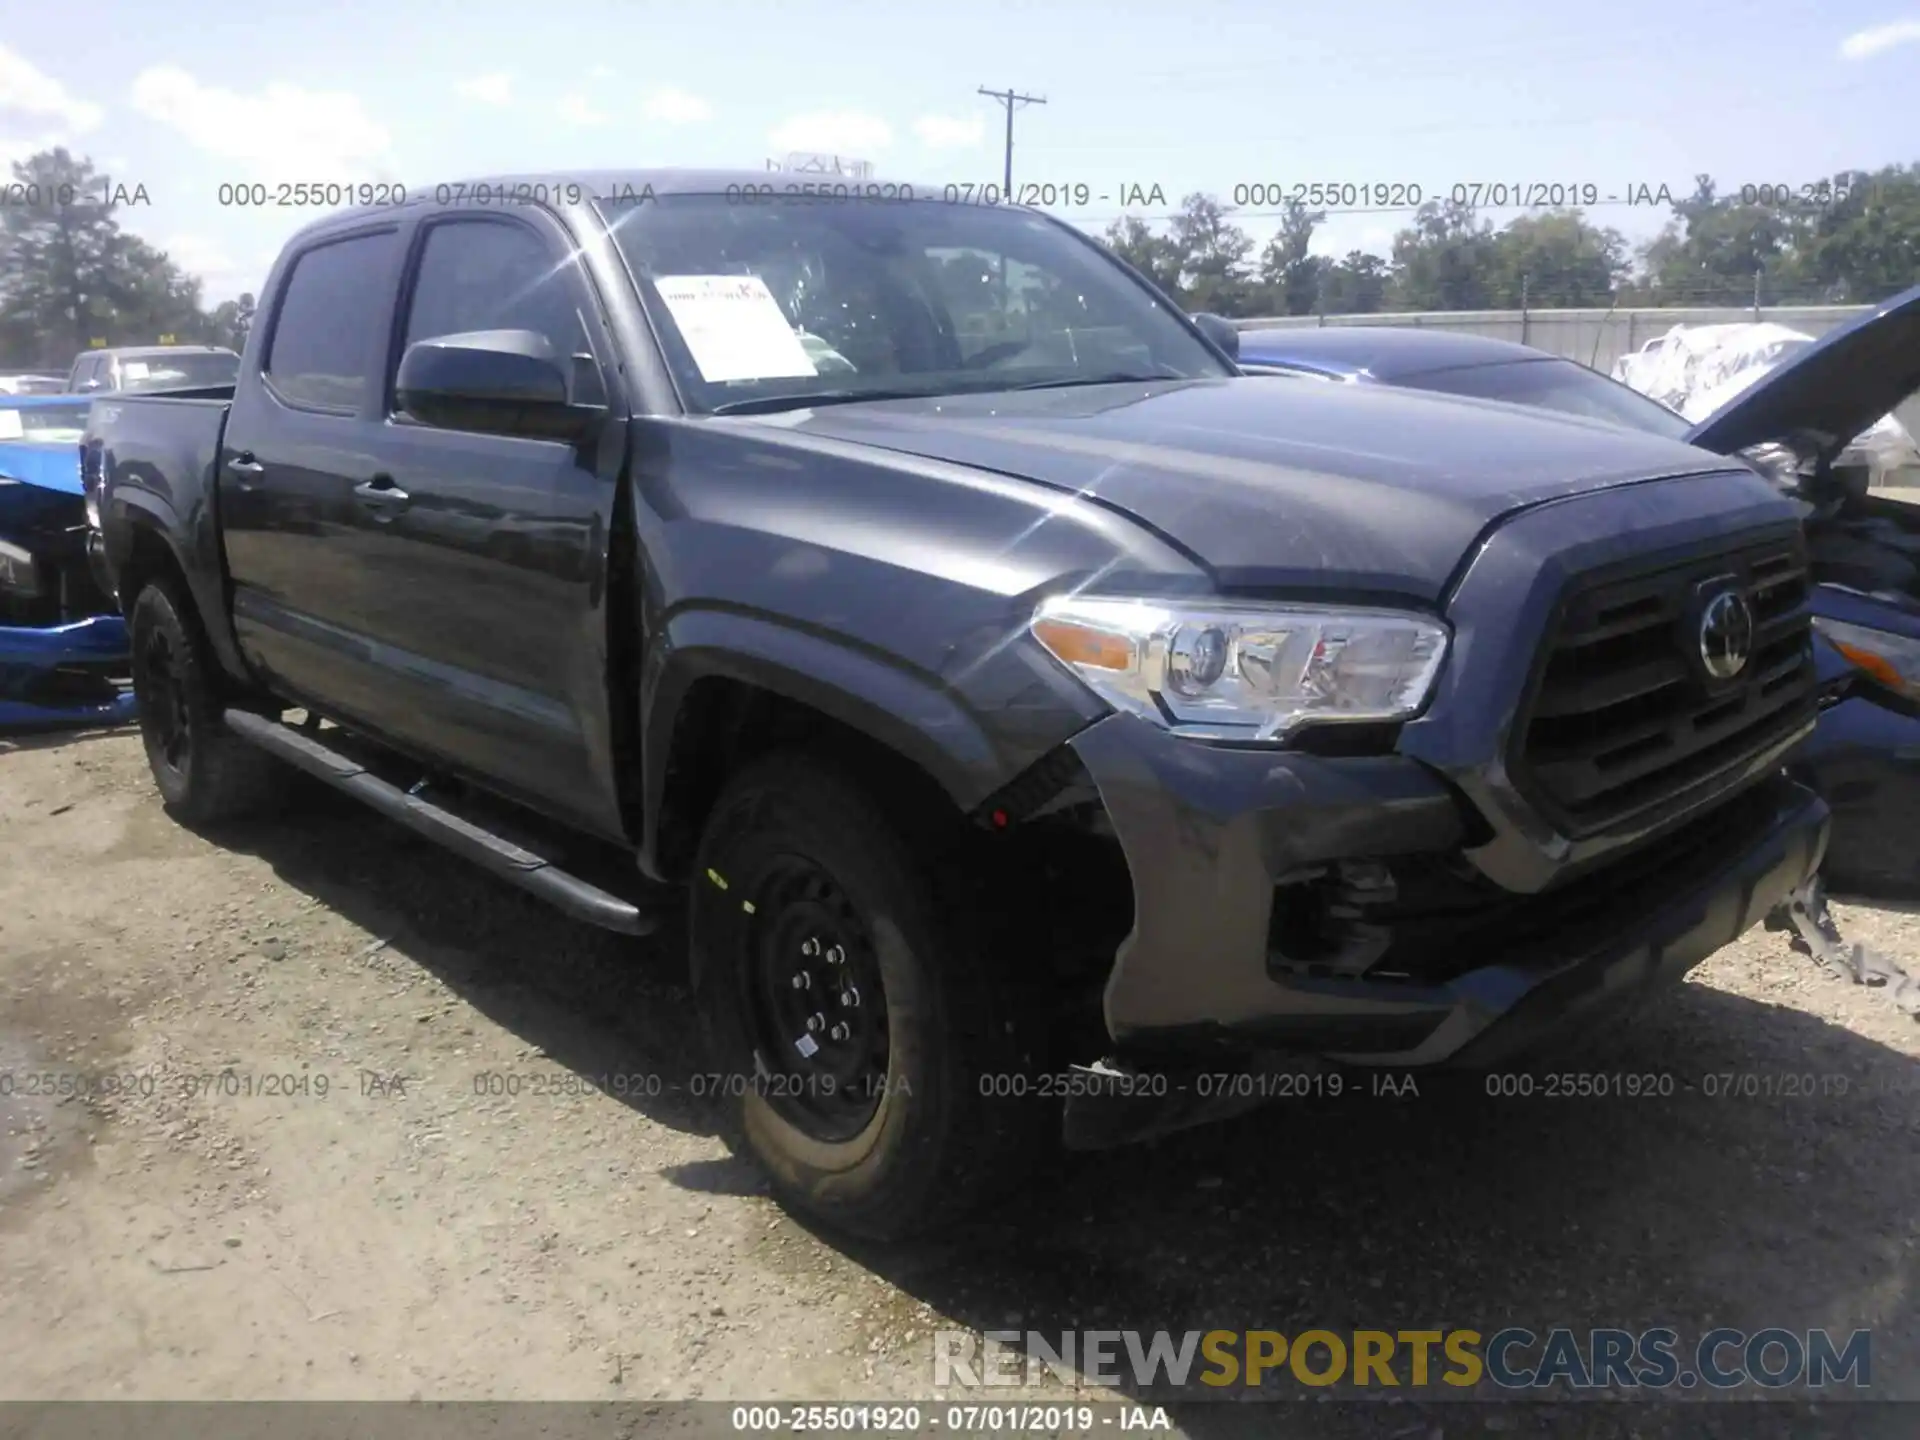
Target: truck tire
{"type": "Point", "coordinates": [205, 773]}
{"type": "Point", "coordinates": [887, 1126]}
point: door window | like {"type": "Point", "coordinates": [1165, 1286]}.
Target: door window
{"type": "Point", "coordinates": [333, 304]}
{"type": "Point", "coordinates": [492, 275]}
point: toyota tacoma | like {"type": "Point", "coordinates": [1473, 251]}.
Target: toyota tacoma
{"type": "Point", "coordinates": [1029, 712]}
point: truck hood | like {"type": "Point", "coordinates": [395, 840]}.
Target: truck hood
{"type": "Point", "coordinates": [1835, 388]}
{"type": "Point", "coordinates": [1363, 487]}
{"type": "Point", "coordinates": [51, 467]}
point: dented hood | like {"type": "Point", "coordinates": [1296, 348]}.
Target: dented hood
{"type": "Point", "coordinates": [1269, 485]}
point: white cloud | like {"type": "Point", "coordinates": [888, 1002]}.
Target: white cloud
{"type": "Point", "coordinates": [281, 132]}
{"type": "Point", "coordinates": [601, 72]}
{"type": "Point", "coordinates": [839, 132]}
{"type": "Point", "coordinates": [949, 132]}
{"type": "Point", "coordinates": [25, 89]}
{"type": "Point", "coordinates": [197, 254]}
{"type": "Point", "coordinates": [578, 110]}
{"type": "Point", "coordinates": [496, 89]}
{"type": "Point", "coordinates": [1871, 41]}
{"type": "Point", "coordinates": [221, 276]}
{"type": "Point", "coordinates": [15, 149]}
{"type": "Point", "coordinates": [677, 107]}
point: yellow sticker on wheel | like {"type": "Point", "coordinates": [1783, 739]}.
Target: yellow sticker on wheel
{"type": "Point", "coordinates": [747, 905]}
{"type": "Point", "coordinates": [717, 878]}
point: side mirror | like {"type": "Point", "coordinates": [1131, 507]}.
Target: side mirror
{"type": "Point", "coordinates": [1220, 331]}
{"type": "Point", "coordinates": [500, 382]}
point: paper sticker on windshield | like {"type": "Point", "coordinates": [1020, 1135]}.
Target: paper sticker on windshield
{"type": "Point", "coordinates": [734, 327]}
{"type": "Point", "coordinates": [10, 426]}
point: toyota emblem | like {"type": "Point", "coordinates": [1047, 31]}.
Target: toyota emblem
{"type": "Point", "coordinates": [1726, 634]}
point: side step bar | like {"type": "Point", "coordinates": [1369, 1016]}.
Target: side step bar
{"type": "Point", "coordinates": [509, 861]}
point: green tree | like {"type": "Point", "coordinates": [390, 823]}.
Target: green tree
{"type": "Point", "coordinates": [1356, 285]}
{"type": "Point", "coordinates": [1715, 246]}
{"type": "Point", "coordinates": [69, 275]}
{"type": "Point", "coordinates": [1213, 254]}
{"type": "Point", "coordinates": [1558, 259]}
{"type": "Point", "coordinates": [1863, 246]}
{"type": "Point", "coordinates": [1152, 254]}
{"type": "Point", "coordinates": [1291, 277]}
{"type": "Point", "coordinates": [230, 322]}
{"type": "Point", "coordinates": [1446, 260]}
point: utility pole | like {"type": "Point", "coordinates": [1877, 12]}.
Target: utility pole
{"type": "Point", "coordinates": [1012, 100]}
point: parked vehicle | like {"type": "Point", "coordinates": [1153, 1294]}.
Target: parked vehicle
{"type": "Point", "coordinates": [141, 368]}
{"type": "Point", "coordinates": [31, 385]}
{"type": "Point", "coordinates": [1865, 756]}
{"type": "Point", "coordinates": [1037, 727]}
{"type": "Point", "coordinates": [62, 641]}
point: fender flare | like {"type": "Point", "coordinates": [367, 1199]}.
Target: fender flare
{"type": "Point", "coordinates": [135, 510]}
{"type": "Point", "coordinates": [906, 712]}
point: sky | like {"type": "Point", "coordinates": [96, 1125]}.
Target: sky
{"type": "Point", "coordinates": [184, 97]}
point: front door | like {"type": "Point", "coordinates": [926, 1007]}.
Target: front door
{"type": "Point", "coordinates": [486, 554]}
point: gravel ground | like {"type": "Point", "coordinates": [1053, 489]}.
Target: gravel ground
{"type": "Point", "coordinates": [418, 1231]}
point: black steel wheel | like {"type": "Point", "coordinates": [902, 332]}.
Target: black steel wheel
{"type": "Point", "coordinates": [856, 1031]}
{"type": "Point", "coordinates": [204, 771]}
{"type": "Point", "coordinates": [160, 685]}
{"type": "Point", "coordinates": [818, 1003]}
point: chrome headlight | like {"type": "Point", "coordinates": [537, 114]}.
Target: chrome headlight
{"type": "Point", "coordinates": [1244, 672]}
{"type": "Point", "coordinates": [1893, 660]}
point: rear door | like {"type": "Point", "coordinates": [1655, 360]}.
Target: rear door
{"type": "Point", "coordinates": [482, 556]}
{"type": "Point", "coordinates": [304, 428]}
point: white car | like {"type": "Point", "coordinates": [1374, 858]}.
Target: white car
{"type": "Point", "coordinates": [29, 384]}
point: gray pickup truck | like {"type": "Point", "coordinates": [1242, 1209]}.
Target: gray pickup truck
{"type": "Point", "coordinates": [1038, 719]}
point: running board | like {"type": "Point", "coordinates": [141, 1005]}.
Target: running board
{"type": "Point", "coordinates": [509, 861]}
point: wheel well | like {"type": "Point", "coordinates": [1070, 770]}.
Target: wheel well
{"type": "Point", "coordinates": [725, 723]}
{"type": "Point", "coordinates": [149, 558]}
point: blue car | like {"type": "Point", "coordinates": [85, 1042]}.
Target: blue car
{"type": "Point", "coordinates": [63, 644]}
{"type": "Point", "coordinates": [1794, 425]}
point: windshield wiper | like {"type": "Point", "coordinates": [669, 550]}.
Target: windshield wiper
{"type": "Point", "coordinates": [1116, 377]}
{"type": "Point", "coordinates": [767, 404]}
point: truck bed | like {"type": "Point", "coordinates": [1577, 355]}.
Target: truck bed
{"type": "Point", "coordinates": [153, 443]}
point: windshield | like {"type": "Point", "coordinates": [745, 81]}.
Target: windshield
{"type": "Point", "coordinates": [1564, 385]}
{"type": "Point", "coordinates": [755, 302]}
{"type": "Point", "coordinates": [168, 372]}
{"type": "Point", "coordinates": [44, 424]}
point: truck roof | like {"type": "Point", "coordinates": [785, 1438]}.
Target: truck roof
{"type": "Point", "coordinates": [599, 184]}
{"type": "Point", "coordinates": [135, 351]}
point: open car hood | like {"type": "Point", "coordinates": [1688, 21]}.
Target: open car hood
{"type": "Point", "coordinates": [1833, 390]}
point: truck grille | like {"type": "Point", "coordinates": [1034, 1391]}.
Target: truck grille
{"type": "Point", "coordinates": [1624, 713]}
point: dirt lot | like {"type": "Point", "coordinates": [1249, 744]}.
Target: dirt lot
{"type": "Point", "coordinates": [409, 1234]}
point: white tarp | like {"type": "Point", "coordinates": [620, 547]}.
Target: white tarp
{"type": "Point", "coordinates": [1695, 369]}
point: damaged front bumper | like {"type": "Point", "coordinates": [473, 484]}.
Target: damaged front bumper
{"type": "Point", "coordinates": [1292, 903]}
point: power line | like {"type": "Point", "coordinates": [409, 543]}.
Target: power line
{"type": "Point", "coordinates": [1012, 101]}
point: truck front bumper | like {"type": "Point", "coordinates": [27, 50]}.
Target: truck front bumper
{"type": "Point", "coordinates": [1225, 845]}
